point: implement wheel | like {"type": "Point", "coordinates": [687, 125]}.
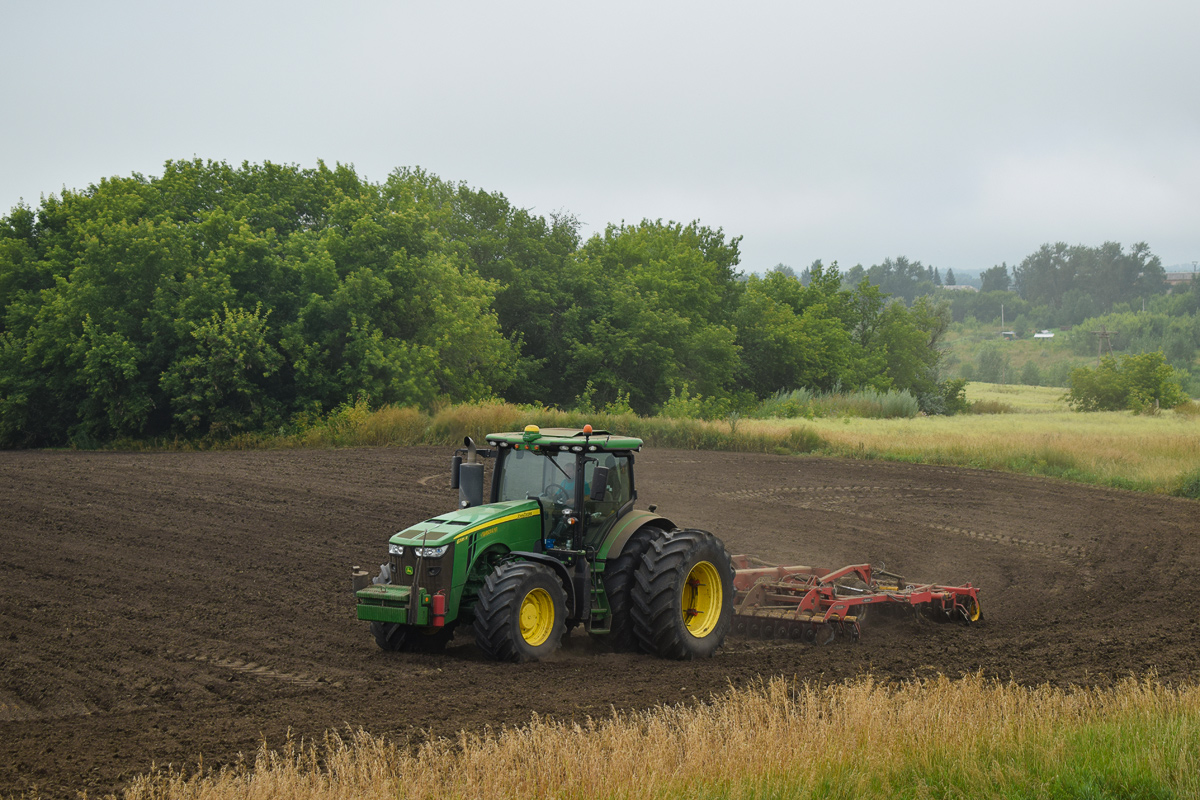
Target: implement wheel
{"type": "Point", "coordinates": [683, 597]}
{"type": "Point", "coordinates": [970, 611]}
{"type": "Point", "coordinates": [521, 613]}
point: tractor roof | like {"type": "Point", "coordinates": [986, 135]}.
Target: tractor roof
{"type": "Point", "coordinates": [565, 439]}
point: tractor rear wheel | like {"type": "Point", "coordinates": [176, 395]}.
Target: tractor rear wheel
{"type": "Point", "coordinates": [521, 613]}
{"type": "Point", "coordinates": [683, 595]}
{"type": "Point", "coordinates": [618, 586]}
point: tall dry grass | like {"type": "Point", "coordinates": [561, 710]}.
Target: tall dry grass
{"type": "Point", "coordinates": [358, 425]}
{"type": "Point", "coordinates": [1155, 453]}
{"type": "Point", "coordinates": [1117, 448]}
{"type": "Point", "coordinates": [937, 738]}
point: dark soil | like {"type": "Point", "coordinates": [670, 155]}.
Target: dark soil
{"type": "Point", "coordinates": [160, 608]}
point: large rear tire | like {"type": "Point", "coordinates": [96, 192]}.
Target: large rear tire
{"type": "Point", "coordinates": [619, 579]}
{"type": "Point", "coordinates": [521, 613]}
{"type": "Point", "coordinates": [683, 595]}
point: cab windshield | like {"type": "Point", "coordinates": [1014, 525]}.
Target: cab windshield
{"type": "Point", "coordinates": [532, 474]}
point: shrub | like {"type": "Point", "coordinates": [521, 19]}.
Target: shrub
{"type": "Point", "coordinates": [993, 364]}
{"type": "Point", "coordinates": [1188, 485]}
{"type": "Point", "coordinates": [954, 395]}
{"type": "Point", "coordinates": [786, 405]}
{"type": "Point", "coordinates": [1141, 383]}
{"type": "Point", "coordinates": [685, 405]}
{"type": "Point", "coordinates": [990, 407]}
{"type": "Point", "coordinates": [1031, 375]}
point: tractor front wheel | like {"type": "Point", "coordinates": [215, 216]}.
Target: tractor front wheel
{"type": "Point", "coordinates": [683, 595]}
{"type": "Point", "coordinates": [521, 613]}
{"type": "Point", "coordinates": [391, 636]}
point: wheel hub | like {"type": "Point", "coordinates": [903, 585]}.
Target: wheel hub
{"type": "Point", "coordinates": [536, 617]}
{"type": "Point", "coordinates": [702, 595]}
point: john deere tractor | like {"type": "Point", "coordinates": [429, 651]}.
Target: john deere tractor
{"type": "Point", "coordinates": [558, 544]}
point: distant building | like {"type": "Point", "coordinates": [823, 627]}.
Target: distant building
{"type": "Point", "coordinates": [1009, 334]}
{"type": "Point", "coordinates": [1043, 335]}
{"type": "Point", "coordinates": [960, 287]}
{"type": "Point", "coordinates": [1173, 278]}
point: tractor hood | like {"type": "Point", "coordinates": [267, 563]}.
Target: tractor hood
{"type": "Point", "coordinates": [455, 525]}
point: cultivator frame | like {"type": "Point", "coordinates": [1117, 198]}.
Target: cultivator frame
{"type": "Point", "coordinates": [817, 605]}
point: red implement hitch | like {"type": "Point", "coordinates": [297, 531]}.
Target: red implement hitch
{"type": "Point", "coordinates": [816, 605]}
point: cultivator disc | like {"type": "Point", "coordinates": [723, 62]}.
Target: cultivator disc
{"type": "Point", "coordinates": [816, 605]}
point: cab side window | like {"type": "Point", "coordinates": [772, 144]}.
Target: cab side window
{"type": "Point", "coordinates": [617, 489]}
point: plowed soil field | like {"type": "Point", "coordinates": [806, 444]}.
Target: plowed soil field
{"type": "Point", "coordinates": [156, 608]}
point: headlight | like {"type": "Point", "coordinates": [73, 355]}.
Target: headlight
{"type": "Point", "coordinates": [396, 549]}
{"type": "Point", "coordinates": [431, 552]}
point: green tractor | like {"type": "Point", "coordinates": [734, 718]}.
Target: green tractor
{"type": "Point", "coordinates": [558, 545]}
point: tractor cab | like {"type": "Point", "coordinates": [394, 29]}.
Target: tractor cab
{"type": "Point", "coordinates": [581, 479]}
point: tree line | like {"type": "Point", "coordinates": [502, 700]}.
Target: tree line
{"type": "Point", "coordinates": [216, 299]}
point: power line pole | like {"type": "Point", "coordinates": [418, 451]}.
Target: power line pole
{"type": "Point", "coordinates": [1103, 341]}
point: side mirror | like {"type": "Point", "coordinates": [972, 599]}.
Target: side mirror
{"type": "Point", "coordinates": [599, 483]}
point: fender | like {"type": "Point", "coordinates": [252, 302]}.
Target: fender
{"type": "Point", "coordinates": [627, 526]}
{"type": "Point", "coordinates": [560, 569]}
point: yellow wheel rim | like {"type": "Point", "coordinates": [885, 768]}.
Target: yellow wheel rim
{"type": "Point", "coordinates": [537, 617]}
{"type": "Point", "coordinates": [702, 595]}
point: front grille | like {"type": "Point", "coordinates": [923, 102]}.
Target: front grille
{"type": "Point", "coordinates": [436, 574]}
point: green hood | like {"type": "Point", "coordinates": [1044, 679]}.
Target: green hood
{"type": "Point", "coordinates": [448, 528]}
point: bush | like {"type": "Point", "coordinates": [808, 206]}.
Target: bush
{"type": "Point", "coordinates": [990, 407]}
{"type": "Point", "coordinates": [954, 395]}
{"type": "Point", "coordinates": [786, 405]}
{"type": "Point", "coordinates": [1188, 485]}
{"type": "Point", "coordinates": [1031, 375]}
{"type": "Point", "coordinates": [1142, 383]}
{"type": "Point", "coordinates": [688, 406]}
{"type": "Point", "coordinates": [993, 364]}
{"type": "Point", "coordinates": [1057, 375]}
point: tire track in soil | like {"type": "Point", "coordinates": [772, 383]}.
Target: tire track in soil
{"type": "Point", "coordinates": [254, 669]}
{"type": "Point", "coordinates": [14, 709]}
{"type": "Point", "coordinates": [1074, 553]}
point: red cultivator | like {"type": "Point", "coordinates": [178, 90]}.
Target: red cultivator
{"type": "Point", "coordinates": [816, 605]}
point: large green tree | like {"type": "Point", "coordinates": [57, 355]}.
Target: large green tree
{"type": "Point", "coordinates": [215, 299]}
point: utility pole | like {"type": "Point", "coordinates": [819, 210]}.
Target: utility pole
{"type": "Point", "coordinates": [1103, 341]}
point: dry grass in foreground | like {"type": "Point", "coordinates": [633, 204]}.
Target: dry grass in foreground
{"type": "Point", "coordinates": [938, 738]}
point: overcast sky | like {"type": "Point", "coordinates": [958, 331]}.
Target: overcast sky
{"type": "Point", "coordinates": [960, 134]}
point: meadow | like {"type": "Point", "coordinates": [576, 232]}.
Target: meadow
{"type": "Point", "coordinates": [1036, 435]}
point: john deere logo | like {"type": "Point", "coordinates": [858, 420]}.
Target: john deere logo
{"type": "Point", "coordinates": [408, 570]}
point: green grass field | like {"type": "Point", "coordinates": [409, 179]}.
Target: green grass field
{"type": "Point", "coordinates": [1022, 399]}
